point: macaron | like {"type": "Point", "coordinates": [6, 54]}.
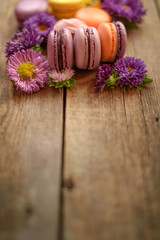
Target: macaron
{"type": "Point", "coordinates": [87, 48]}
{"type": "Point", "coordinates": [71, 24]}
{"type": "Point", "coordinates": [60, 49]}
{"type": "Point", "coordinates": [65, 8]}
{"type": "Point", "coordinates": [93, 16]}
{"type": "Point", "coordinates": [27, 8]}
{"type": "Point", "coordinates": [113, 37]}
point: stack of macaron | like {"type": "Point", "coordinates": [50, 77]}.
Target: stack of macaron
{"type": "Point", "coordinates": [88, 47]}
{"type": "Point", "coordinates": [85, 40]}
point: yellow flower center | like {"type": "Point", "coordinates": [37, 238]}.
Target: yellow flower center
{"type": "Point", "coordinates": [130, 69]}
{"type": "Point", "coordinates": [42, 28]}
{"type": "Point", "coordinates": [126, 8]}
{"type": "Point", "coordinates": [26, 71]}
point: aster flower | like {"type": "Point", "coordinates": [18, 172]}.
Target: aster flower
{"type": "Point", "coordinates": [42, 22]}
{"type": "Point", "coordinates": [133, 72]}
{"type": "Point", "coordinates": [22, 41]}
{"type": "Point", "coordinates": [28, 70]}
{"type": "Point", "coordinates": [103, 75]}
{"type": "Point", "coordinates": [106, 78]}
{"type": "Point", "coordinates": [128, 11]}
{"type": "Point", "coordinates": [126, 73]}
{"type": "Point", "coordinates": [62, 79]}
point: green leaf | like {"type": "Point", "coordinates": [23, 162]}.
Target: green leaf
{"type": "Point", "coordinates": [129, 25]}
{"type": "Point", "coordinates": [140, 87]}
{"type": "Point", "coordinates": [112, 81]}
{"type": "Point", "coordinates": [59, 85]}
{"type": "Point", "coordinates": [147, 80]}
{"type": "Point", "coordinates": [37, 48]}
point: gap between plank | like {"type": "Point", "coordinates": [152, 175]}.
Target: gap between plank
{"type": "Point", "coordinates": [60, 223]}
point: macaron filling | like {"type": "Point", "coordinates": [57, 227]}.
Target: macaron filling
{"type": "Point", "coordinates": [114, 41]}
{"type": "Point", "coordinates": [56, 50]}
{"type": "Point", "coordinates": [119, 39]}
{"type": "Point", "coordinates": [63, 49]}
{"type": "Point", "coordinates": [89, 48]}
{"type": "Point", "coordinates": [59, 46]}
{"type": "Point", "coordinates": [86, 58]}
{"type": "Point", "coordinates": [60, 50]}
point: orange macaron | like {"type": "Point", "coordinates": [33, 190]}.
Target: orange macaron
{"type": "Point", "coordinates": [108, 38]}
{"type": "Point", "coordinates": [93, 16]}
{"type": "Point", "coordinates": [113, 37]}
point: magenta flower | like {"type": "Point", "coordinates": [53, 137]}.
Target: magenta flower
{"type": "Point", "coordinates": [22, 41]}
{"type": "Point", "coordinates": [102, 77]}
{"type": "Point", "coordinates": [125, 73]}
{"type": "Point", "coordinates": [43, 23]}
{"type": "Point", "coordinates": [131, 70]}
{"type": "Point", "coordinates": [28, 70]}
{"type": "Point", "coordinates": [131, 10]}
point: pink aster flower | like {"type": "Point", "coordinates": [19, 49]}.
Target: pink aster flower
{"type": "Point", "coordinates": [64, 75]}
{"type": "Point", "coordinates": [62, 79]}
{"type": "Point", "coordinates": [28, 70]}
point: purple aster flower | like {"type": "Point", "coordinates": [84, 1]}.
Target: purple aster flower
{"type": "Point", "coordinates": [28, 70]}
{"type": "Point", "coordinates": [102, 77]}
{"type": "Point", "coordinates": [42, 22]}
{"type": "Point", "coordinates": [132, 72]}
{"type": "Point", "coordinates": [22, 41]}
{"type": "Point", "coordinates": [132, 10]}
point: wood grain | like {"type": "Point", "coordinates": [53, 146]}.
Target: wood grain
{"type": "Point", "coordinates": [157, 3]}
{"type": "Point", "coordinates": [30, 152]}
{"type": "Point", "coordinates": [112, 152]}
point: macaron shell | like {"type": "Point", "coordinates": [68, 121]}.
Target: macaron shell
{"type": "Point", "coordinates": [65, 8]}
{"type": "Point", "coordinates": [122, 39]}
{"type": "Point", "coordinates": [93, 16]}
{"type": "Point", "coordinates": [108, 38]}
{"type": "Point", "coordinates": [71, 24]}
{"type": "Point", "coordinates": [87, 48]}
{"type": "Point", "coordinates": [95, 48]}
{"type": "Point", "coordinates": [81, 48]}
{"type": "Point", "coordinates": [52, 50]}
{"type": "Point", "coordinates": [67, 48]}
{"type": "Point", "coordinates": [27, 8]}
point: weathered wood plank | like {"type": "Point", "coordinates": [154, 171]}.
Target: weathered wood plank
{"type": "Point", "coordinates": [157, 2]}
{"type": "Point", "coordinates": [112, 152]}
{"type": "Point", "coordinates": [30, 153]}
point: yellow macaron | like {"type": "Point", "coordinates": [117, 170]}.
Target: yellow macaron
{"type": "Point", "coordinates": [65, 8]}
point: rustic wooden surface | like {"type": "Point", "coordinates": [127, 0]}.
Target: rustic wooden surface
{"type": "Point", "coordinates": [104, 147]}
{"type": "Point", "coordinates": [31, 131]}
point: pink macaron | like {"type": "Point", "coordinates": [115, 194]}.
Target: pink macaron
{"type": "Point", "coordinates": [72, 24]}
{"type": "Point", "coordinates": [60, 49]}
{"type": "Point", "coordinates": [87, 48]}
{"type": "Point", "coordinates": [27, 8]}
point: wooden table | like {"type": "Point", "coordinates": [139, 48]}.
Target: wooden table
{"type": "Point", "coordinates": [82, 165]}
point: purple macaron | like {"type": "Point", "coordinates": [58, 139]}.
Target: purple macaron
{"type": "Point", "coordinates": [60, 49]}
{"type": "Point", "coordinates": [27, 8]}
{"type": "Point", "coordinates": [121, 38]}
{"type": "Point", "coordinates": [87, 48]}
